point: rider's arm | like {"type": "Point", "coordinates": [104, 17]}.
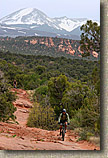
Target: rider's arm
{"type": "Point", "coordinates": [59, 118]}
{"type": "Point", "coordinates": [68, 118]}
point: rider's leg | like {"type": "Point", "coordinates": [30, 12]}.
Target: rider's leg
{"type": "Point", "coordinates": [65, 126]}
{"type": "Point", "coordinates": [14, 85]}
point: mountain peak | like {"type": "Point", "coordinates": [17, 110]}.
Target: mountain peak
{"type": "Point", "coordinates": [35, 21]}
{"type": "Point", "coordinates": [23, 16]}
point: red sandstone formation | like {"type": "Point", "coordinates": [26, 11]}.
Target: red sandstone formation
{"type": "Point", "coordinates": [80, 50]}
{"type": "Point", "coordinates": [51, 42]}
{"type": "Point", "coordinates": [34, 41]}
{"type": "Point", "coordinates": [95, 54]}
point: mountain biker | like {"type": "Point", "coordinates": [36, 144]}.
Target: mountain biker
{"type": "Point", "coordinates": [15, 84]}
{"type": "Point", "coordinates": [63, 118]}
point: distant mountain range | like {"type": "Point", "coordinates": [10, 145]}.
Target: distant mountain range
{"type": "Point", "coordinates": [33, 22]}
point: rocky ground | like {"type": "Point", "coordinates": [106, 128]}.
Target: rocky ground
{"type": "Point", "coordinates": [21, 137]}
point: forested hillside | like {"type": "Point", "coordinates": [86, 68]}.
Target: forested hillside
{"type": "Point", "coordinates": [55, 47]}
{"type": "Point", "coordinates": [39, 69]}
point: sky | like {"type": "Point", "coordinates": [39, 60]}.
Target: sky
{"type": "Point", "coordinates": [55, 8]}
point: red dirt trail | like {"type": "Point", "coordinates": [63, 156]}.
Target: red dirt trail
{"type": "Point", "coordinates": [21, 137]}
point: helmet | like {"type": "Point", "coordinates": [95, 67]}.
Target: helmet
{"type": "Point", "coordinates": [64, 110]}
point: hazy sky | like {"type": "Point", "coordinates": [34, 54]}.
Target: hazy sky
{"type": "Point", "coordinates": [55, 8]}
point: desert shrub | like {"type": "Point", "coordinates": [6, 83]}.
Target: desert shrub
{"type": "Point", "coordinates": [42, 90]}
{"type": "Point", "coordinates": [87, 117]}
{"type": "Point", "coordinates": [42, 117]}
{"type": "Point", "coordinates": [40, 69]}
{"type": "Point", "coordinates": [76, 120]}
{"type": "Point", "coordinates": [85, 134]}
{"type": "Point", "coordinates": [40, 94]}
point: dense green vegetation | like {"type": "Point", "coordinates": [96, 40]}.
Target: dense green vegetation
{"type": "Point", "coordinates": [58, 83]}
{"type": "Point", "coordinates": [6, 97]}
{"type": "Point", "coordinates": [33, 71]}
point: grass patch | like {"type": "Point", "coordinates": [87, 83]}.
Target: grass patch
{"type": "Point", "coordinates": [14, 136]}
{"type": "Point", "coordinates": [42, 140]}
{"type": "Point", "coordinates": [1, 131]}
{"type": "Point", "coordinates": [95, 140]}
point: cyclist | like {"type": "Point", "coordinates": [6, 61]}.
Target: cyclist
{"type": "Point", "coordinates": [15, 84]}
{"type": "Point", "coordinates": [63, 118]}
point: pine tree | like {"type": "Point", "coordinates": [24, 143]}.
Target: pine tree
{"type": "Point", "coordinates": [90, 38]}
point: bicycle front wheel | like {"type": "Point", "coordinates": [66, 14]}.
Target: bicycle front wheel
{"type": "Point", "coordinates": [63, 134]}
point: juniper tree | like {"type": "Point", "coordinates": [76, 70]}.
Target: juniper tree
{"type": "Point", "coordinates": [90, 38]}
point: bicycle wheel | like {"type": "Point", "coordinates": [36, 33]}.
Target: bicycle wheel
{"type": "Point", "coordinates": [63, 134]}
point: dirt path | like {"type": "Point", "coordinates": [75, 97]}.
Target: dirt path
{"type": "Point", "coordinates": [21, 137]}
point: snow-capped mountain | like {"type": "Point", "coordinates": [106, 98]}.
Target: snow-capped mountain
{"type": "Point", "coordinates": [31, 21]}
{"type": "Point", "coordinates": [28, 16]}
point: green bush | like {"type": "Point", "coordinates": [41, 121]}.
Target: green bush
{"type": "Point", "coordinates": [88, 118]}
{"type": "Point", "coordinates": [76, 120]}
{"type": "Point", "coordinates": [42, 117]}
{"type": "Point", "coordinates": [42, 90]}
{"type": "Point", "coordinates": [85, 134]}
{"type": "Point", "coordinates": [40, 93]}
{"type": "Point", "coordinates": [56, 87]}
{"type": "Point", "coordinates": [40, 69]}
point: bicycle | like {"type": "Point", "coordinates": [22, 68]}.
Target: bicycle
{"type": "Point", "coordinates": [63, 131]}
